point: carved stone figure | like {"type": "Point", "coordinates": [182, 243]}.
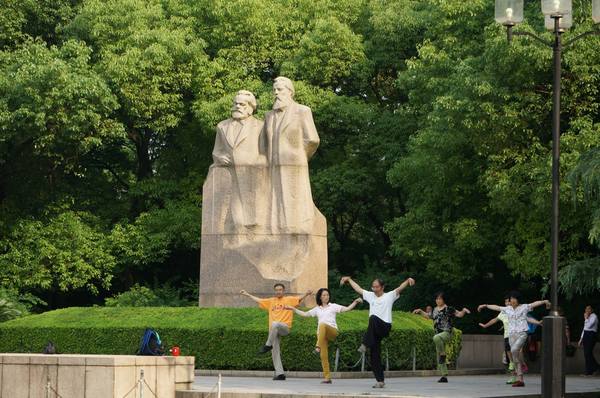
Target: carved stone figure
{"type": "Point", "coordinates": [292, 140]}
{"type": "Point", "coordinates": [240, 150]}
{"type": "Point", "coordinates": [259, 223]}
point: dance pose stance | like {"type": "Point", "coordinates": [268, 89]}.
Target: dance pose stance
{"type": "Point", "coordinates": [504, 319]}
{"type": "Point", "coordinates": [280, 322]}
{"type": "Point", "coordinates": [380, 319]}
{"type": "Point", "coordinates": [327, 329]}
{"type": "Point", "coordinates": [588, 340]}
{"type": "Point", "coordinates": [442, 316]}
{"type": "Point", "coordinates": [517, 320]}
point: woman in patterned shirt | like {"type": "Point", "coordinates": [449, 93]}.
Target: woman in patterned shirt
{"type": "Point", "coordinates": [517, 329]}
{"type": "Point", "coordinates": [442, 316]}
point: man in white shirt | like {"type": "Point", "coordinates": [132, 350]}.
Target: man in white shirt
{"type": "Point", "coordinates": [588, 340]}
{"type": "Point", "coordinates": [380, 319]}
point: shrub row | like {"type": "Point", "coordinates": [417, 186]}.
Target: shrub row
{"type": "Point", "coordinates": [218, 338]}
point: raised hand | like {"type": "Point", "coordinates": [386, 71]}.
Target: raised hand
{"type": "Point", "coordinates": [411, 282]}
{"type": "Point", "coordinates": [482, 306]}
{"type": "Point", "coordinates": [243, 292]}
{"type": "Point", "coordinates": [344, 280]}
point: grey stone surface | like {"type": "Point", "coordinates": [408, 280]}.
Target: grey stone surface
{"type": "Point", "coordinates": [458, 387]}
{"type": "Point", "coordinates": [15, 381]}
{"type": "Point", "coordinates": [75, 380]}
{"type": "Point", "coordinates": [348, 375]}
{"type": "Point", "coordinates": [91, 376]}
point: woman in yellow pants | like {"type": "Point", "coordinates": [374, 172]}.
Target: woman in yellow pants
{"type": "Point", "coordinates": [327, 329]}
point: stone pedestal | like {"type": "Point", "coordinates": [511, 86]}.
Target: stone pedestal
{"type": "Point", "coordinates": [92, 376]}
{"type": "Point", "coordinates": [254, 259]}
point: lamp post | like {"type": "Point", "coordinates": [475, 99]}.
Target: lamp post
{"type": "Point", "coordinates": [558, 18]}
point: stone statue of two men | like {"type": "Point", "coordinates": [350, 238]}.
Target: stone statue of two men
{"type": "Point", "coordinates": [268, 162]}
{"type": "Point", "coordinates": [258, 216]}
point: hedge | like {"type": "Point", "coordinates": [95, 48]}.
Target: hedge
{"type": "Point", "coordinates": [219, 338]}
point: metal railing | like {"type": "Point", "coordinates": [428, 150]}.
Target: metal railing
{"type": "Point", "coordinates": [141, 385]}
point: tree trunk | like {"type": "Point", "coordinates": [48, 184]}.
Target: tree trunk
{"type": "Point", "coordinates": [141, 140]}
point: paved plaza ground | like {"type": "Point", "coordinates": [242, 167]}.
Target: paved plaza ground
{"type": "Point", "coordinates": [458, 387]}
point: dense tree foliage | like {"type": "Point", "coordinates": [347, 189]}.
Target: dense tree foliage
{"type": "Point", "coordinates": [435, 139]}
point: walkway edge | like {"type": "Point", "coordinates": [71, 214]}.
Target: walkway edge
{"type": "Point", "coordinates": [348, 375]}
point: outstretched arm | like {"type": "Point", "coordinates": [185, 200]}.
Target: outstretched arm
{"type": "Point", "coordinates": [347, 279]}
{"type": "Point", "coordinates": [245, 293]}
{"type": "Point", "coordinates": [403, 285]}
{"type": "Point", "coordinates": [490, 306]}
{"type": "Point", "coordinates": [419, 311]}
{"type": "Point", "coordinates": [490, 323]}
{"type": "Point", "coordinates": [534, 321]}
{"type": "Point", "coordinates": [539, 303]}
{"type": "Point", "coordinates": [351, 306]}
{"type": "Point", "coordinates": [461, 313]}
{"type": "Point", "coordinates": [297, 311]}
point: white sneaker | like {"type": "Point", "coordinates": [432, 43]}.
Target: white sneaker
{"type": "Point", "coordinates": [379, 384]}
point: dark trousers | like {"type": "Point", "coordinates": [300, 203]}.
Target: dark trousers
{"type": "Point", "coordinates": [377, 331]}
{"type": "Point", "coordinates": [589, 341]}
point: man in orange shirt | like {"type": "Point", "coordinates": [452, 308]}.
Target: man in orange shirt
{"type": "Point", "coordinates": [280, 322]}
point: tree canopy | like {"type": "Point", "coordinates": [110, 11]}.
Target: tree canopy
{"type": "Point", "coordinates": [435, 139]}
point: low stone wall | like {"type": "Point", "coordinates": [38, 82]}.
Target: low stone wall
{"type": "Point", "coordinates": [93, 376]}
{"type": "Point", "coordinates": [485, 351]}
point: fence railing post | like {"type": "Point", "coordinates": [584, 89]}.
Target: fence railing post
{"type": "Point", "coordinates": [47, 382]}
{"type": "Point", "coordinates": [141, 383]}
{"type": "Point", "coordinates": [387, 360]}
{"type": "Point", "coordinates": [362, 364]}
{"type": "Point", "coordinates": [219, 387]}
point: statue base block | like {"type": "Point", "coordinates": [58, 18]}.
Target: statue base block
{"type": "Point", "coordinates": [229, 264]}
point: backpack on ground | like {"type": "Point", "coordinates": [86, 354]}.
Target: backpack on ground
{"type": "Point", "coordinates": [151, 344]}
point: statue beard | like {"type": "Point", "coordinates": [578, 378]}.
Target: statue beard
{"type": "Point", "coordinates": [282, 102]}
{"type": "Point", "coordinates": [239, 115]}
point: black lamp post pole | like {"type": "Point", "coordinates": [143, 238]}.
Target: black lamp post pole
{"type": "Point", "coordinates": [553, 332]}
{"type": "Point", "coordinates": [556, 162]}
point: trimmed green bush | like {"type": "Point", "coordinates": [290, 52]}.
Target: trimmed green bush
{"type": "Point", "coordinates": [219, 338]}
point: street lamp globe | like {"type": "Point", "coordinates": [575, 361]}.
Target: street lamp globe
{"type": "Point", "coordinates": [565, 22]}
{"type": "Point", "coordinates": [509, 12]}
{"type": "Point", "coordinates": [556, 7]}
{"type": "Point", "coordinates": [596, 10]}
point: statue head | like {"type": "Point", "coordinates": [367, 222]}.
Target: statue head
{"type": "Point", "coordinates": [283, 89]}
{"type": "Point", "coordinates": [244, 105]}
